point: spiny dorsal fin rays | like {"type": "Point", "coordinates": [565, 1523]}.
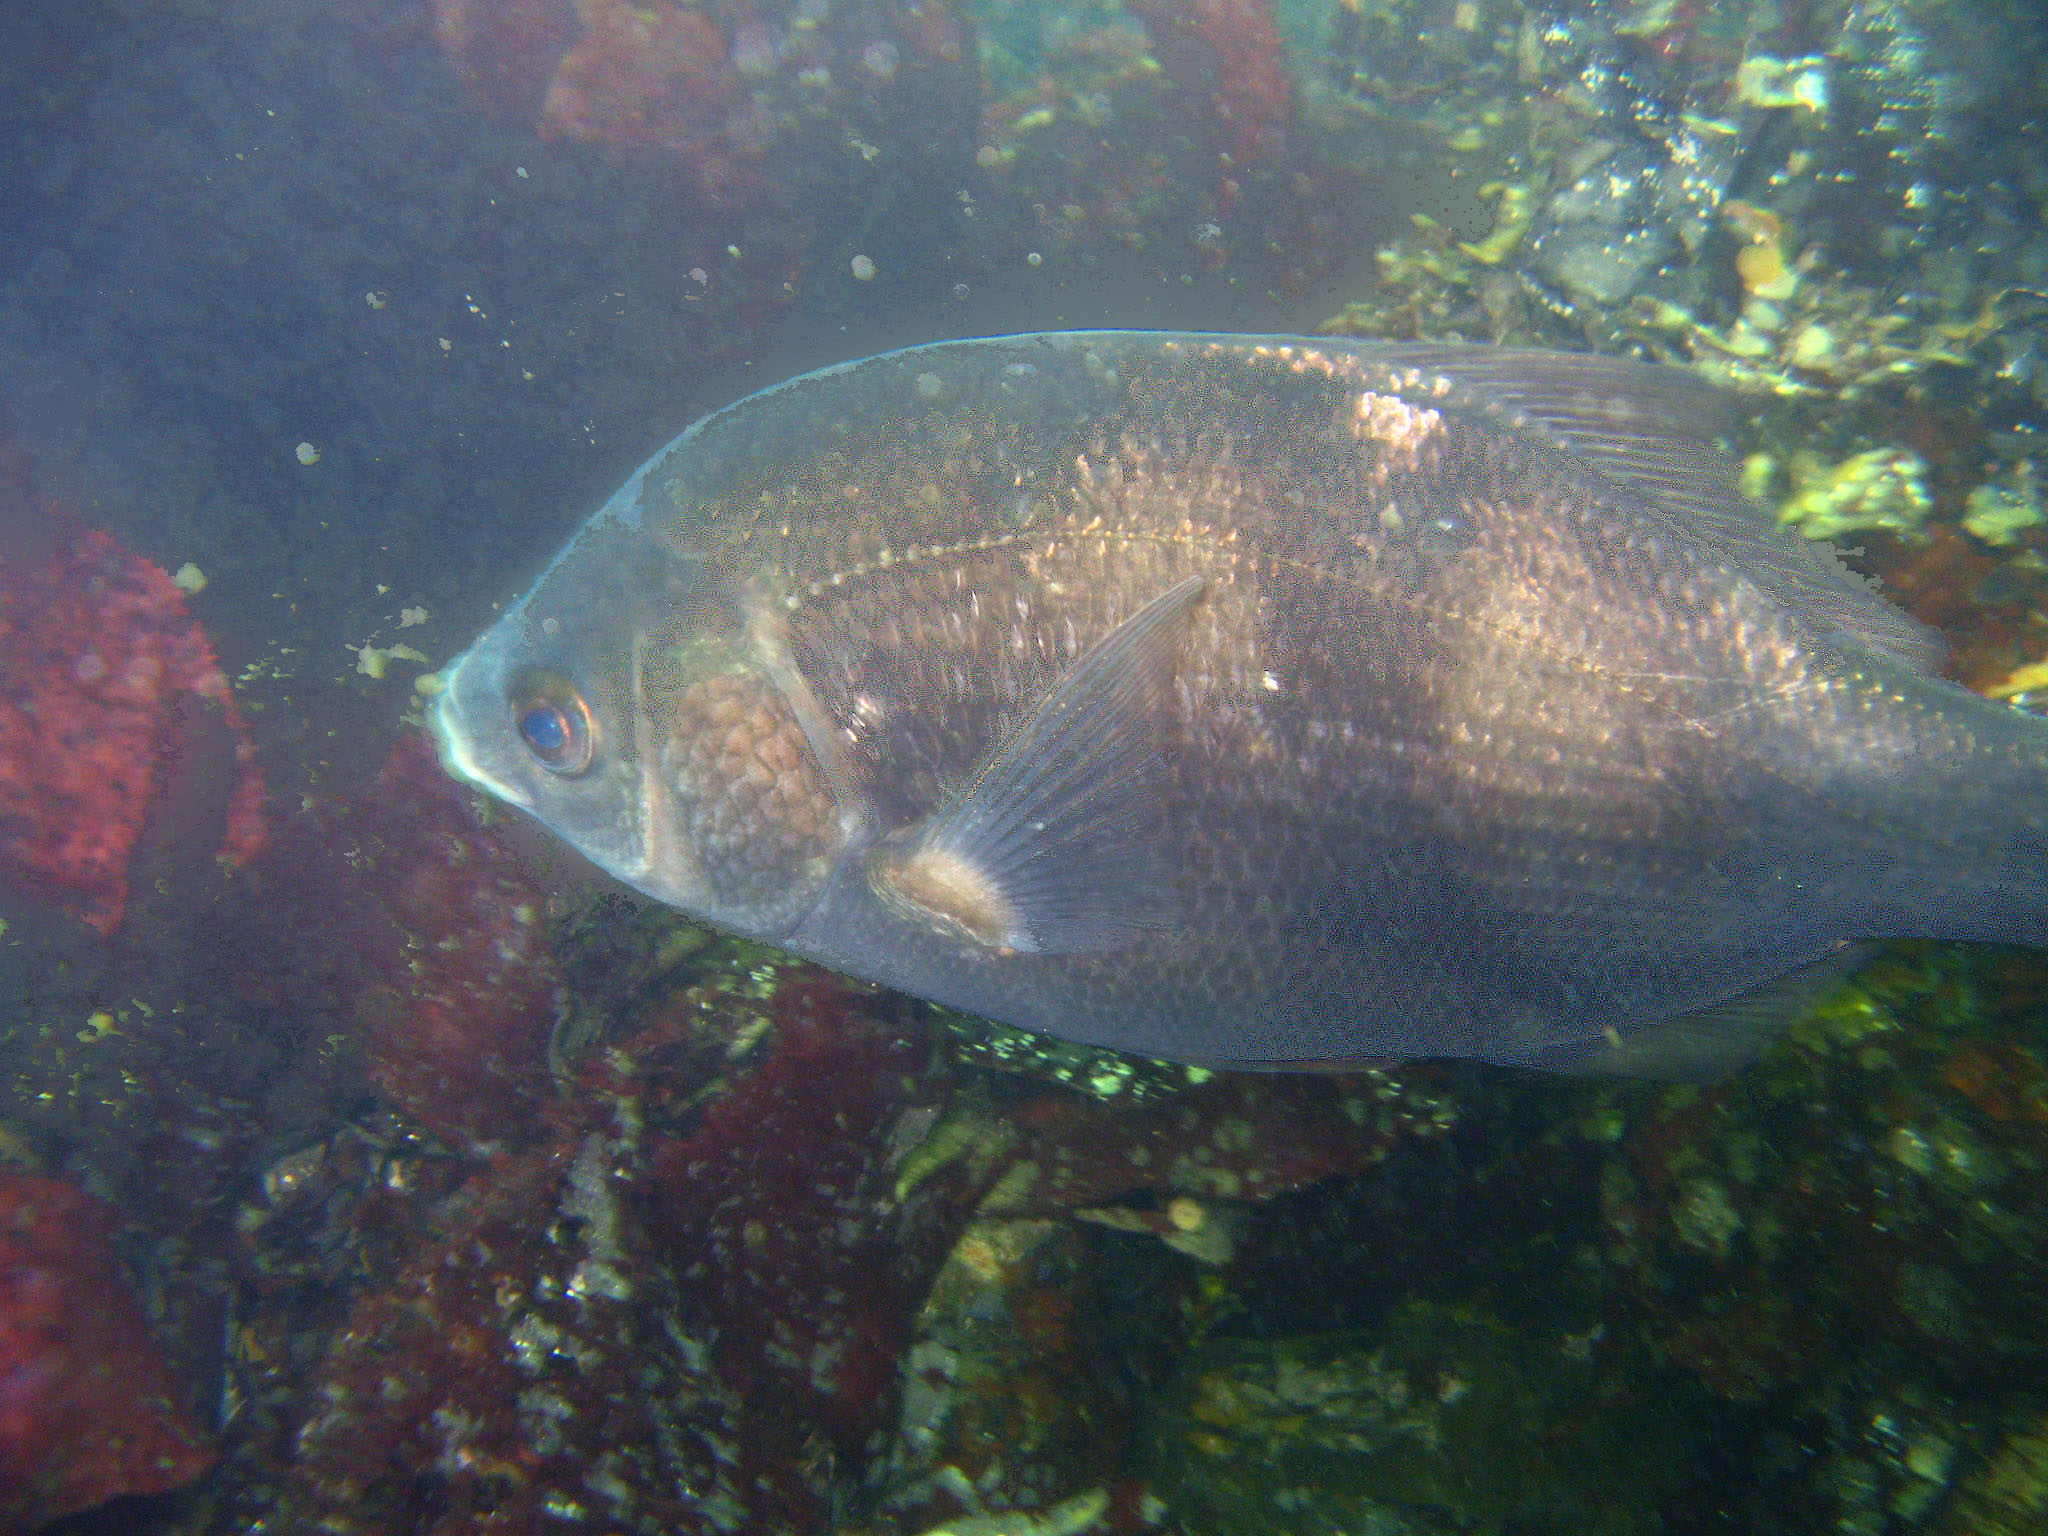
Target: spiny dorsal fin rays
{"type": "Point", "coordinates": [1057, 846]}
{"type": "Point", "coordinates": [1653, 429]}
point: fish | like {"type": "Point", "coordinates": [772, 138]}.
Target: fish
{"type": "Point", "coordinates": [1265, 701]}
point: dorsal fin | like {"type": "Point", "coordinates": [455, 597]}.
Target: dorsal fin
{"type": "Point", "coordinates": [1656, 430]}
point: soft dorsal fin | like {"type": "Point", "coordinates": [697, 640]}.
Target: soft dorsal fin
{"type": "Point", "coordinates": [1655, 429]}
{"type": "Point", "coordinates": [1057, 845]}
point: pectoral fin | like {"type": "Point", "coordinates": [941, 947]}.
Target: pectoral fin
{"type": "Point", "coordinates": [1057, 846]}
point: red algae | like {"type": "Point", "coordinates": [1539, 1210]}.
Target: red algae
{"type": "Point", "coordinates": [88, 1410]}
{"type": "Point", "coordinates": [102, 658]}
{"type": "Point", "coordinates": [1241, 1137]}
{"type": "Point", "coordinates": [613, 1329]}
{"type": "Point", "coordinates": [771, 1206]}
{"type": "Point", "coordinates": [653, 76]}
{"type": "Point", "coordinates": [505, 50]}
{"type": "Point", "coordinates": [1249, 87]}
{"type": "Point", "coordinates": [732, 93]}
{"type": "Point", "coordinates": [2004, 1081]}
{"type": "Point", "coordinates": [635, 76]}
{"type": "Point", "coordinates": [458, 1035]}
{"type": "Point", "coordinates": [514, 1373]}
{"type": "Point", "coordinates": [1989, 621]}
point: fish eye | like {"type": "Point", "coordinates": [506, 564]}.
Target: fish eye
{"type": "Point", "coordinates": [552, 719]}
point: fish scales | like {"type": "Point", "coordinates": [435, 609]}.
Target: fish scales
{"type": "Point", "coordinates": [1271, 700]}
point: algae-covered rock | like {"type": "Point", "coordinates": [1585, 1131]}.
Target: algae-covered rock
{"type": "Point", "coordinates": [2008, 1496]}
{"type": "Point", "coordinates": [1885, 488]}
{"type": "Point", "coordinates": [1445, 1419]}
{"type": "Point", "coordinates": [1998, 511]}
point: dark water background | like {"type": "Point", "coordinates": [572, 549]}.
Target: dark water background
{"type": "Point", "coordinates": [200, 197]}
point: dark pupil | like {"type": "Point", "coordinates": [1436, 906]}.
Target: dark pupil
{"type": "Point", "coordinates": [546, 730]}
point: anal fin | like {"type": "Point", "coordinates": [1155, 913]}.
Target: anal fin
{"type": "Point", "coordinates": [1714, 1042]}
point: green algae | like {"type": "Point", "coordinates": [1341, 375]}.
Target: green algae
{"type": "Point", "coordinates": [1883, 488]}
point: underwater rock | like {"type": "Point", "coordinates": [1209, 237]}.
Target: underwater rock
{"type": "Point", "coordinates": [1442, 1420]}
{"type": "Point", "coordinates": [88, 1410]}
{"type": "Point", "coordinates": [1916, 88]}
{"type": "Point", "coordinates": [1010, 1383]}
{"type": "Point", "coordinates": [1602, 233]}
{"type": "Point", "coordinates": [1871, 1239]}
{"type": "Point", "coordinates": [1002, 1400]}
{"type": "Point", "coordinates": [2008, 1496]}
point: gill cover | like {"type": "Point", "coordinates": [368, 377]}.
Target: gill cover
{"type": "Point", "coordinates": [743, 797]}
{"type": "Point", "coordinates": [629, 706]}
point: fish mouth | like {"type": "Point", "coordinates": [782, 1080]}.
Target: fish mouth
{"type": "Point", "coordinates": [455, 746]}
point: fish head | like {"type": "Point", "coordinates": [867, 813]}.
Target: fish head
{"type": "Point", "coordinates": [634, 704]}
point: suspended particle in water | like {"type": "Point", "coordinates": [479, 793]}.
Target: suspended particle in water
{"type": "Point", "coordinates": [881, 60]}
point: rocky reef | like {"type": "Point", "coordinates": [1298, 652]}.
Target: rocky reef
{"type": "Point", "coordinates": [366, 1165]}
